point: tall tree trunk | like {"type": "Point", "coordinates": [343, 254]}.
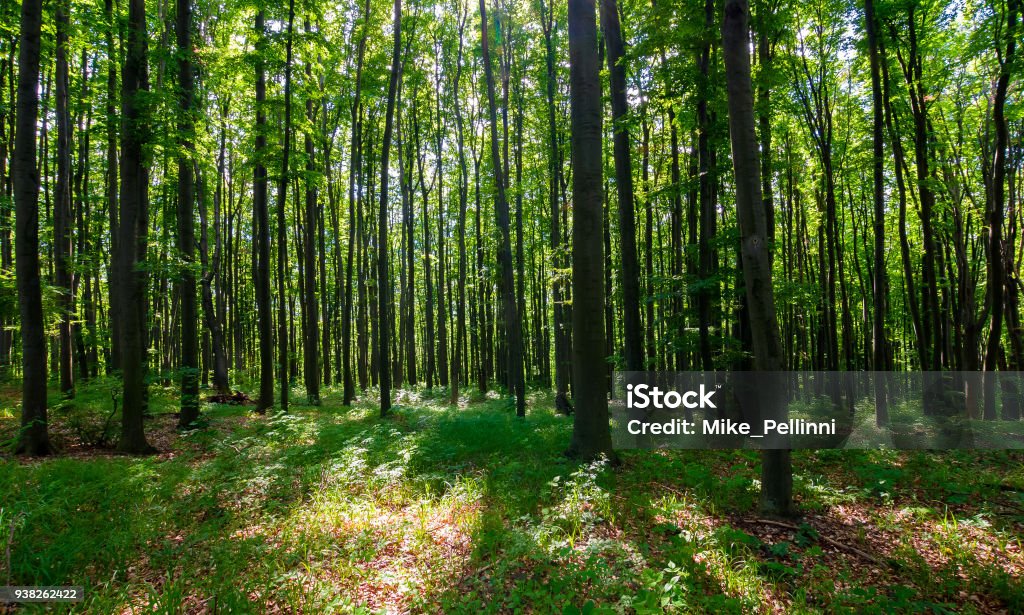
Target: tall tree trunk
{"type": "Point", "coordinates": [879, 282]}
{"type": "Point", "coordinates": [213, 314]}
{"type": "Point", "coordinates": [133, 231]}
{"type": "Point", "coordinates": [62, 219]}
{"type": "Point", "coordinates": [283, 352]}
{"type": "Point", "coordinates": [513, 326]}
{"type": "Point", "coordinates": [562, 358]}
{"type": "Point", "coordinates": [186, 211]}
{"type": "Point", "coordinates": [776, 471]}
{"type": "Point", "coordinates": [460, 319]}
{"type": "Point", "coordinates": [310, 345]}
{"type": "Point", "coordinates": [110, 102]}
{"type": "Point", "coordinates": [591, 437]}
{"type": "Point", "coordinates": [383, 268]}
{"type": "Point", "coordinates": [630, 272]}
{"type": "Point", "coordinates": [261, 223]}
{"type": "Point", "coordinates": [346, 320]}
{"type": "Point", "coordinates": [707, 257]}
{"type": "Point", "coordinates": [995, 213]}
{"type": "Point", "coordinates": [34, 437]}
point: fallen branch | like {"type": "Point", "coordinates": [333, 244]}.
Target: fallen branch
{"type": "Point", "coordinates": [825, 539]}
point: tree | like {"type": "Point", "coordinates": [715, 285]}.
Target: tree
{"type": "Point", "coordinates": [878, 197]}
{"type": "Point", "coordinates": [460, 323]}
{"type": "Point", "coordinates": [311, 357]}
{"type": "Point", "coordinates": [590, 435]}
{"type": "Point", "coordinates": [559, 309]}
{"type": "Point", "coordinates": [776, 470]}
{"type": "Point", "coordinates": [62, 218]}
{"type": "Point", "coordinates": [34, 438]}
{"type": "Point", "coordinates": [346, 323]}
{"type": "Point", "coordinates": [630, 271]}
{"type": "Point", "coordinates": [186, 225]}
{"type": "Point", "coordinates": [133, 231]}
{"type": "Point", "coordinates": [513, 326]}
{"type": "Point", "coordinates": [283, 358]}
{"type": "Point", "coordinates": [383, 268]}
{"type": "Point", "coordinates": [261, 227]}
{"type": "Point", "coordinates": [996, 203]}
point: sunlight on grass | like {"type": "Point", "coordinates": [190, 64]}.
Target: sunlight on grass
{"type": "Point", "coordinates": [469, 509]}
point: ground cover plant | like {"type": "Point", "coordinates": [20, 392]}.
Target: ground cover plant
{"type": "Point", "coordinates": [469, 509]}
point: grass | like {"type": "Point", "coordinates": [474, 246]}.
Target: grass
{"type": "Point", "coordinates": [468, 509]}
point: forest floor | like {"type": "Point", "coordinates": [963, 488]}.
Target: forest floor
{"type": "Point", "coordinates": [468, 509]}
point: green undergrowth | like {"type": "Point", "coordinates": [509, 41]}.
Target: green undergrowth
{"type": "Point", "coordinates": [469, 509]}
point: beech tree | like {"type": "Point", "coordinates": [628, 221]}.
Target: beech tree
{"type": "Point", "coordinates": [34, 438]}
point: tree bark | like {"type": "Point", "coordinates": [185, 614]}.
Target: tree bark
{"type": "Point", "coordinates": [283, 356]}
{"type": "Point", "coordinates": [133, 231]}
{"type": "Point", "coordinates": [62, 218]}
{"type": "Point", "coordinates": [776, 469]}
{"type": "Point", "coordinates": [995, 213]}
{"type": "Point", "coordinates": [261, 223]}
{"type": "Point", "coordinates": [34, 438]}
{"type": "Point", "coordinates": [310, 345]}
{"type": "Point", "coordinates": [383, 267]}
{"type": "Point", "coordinates": [879, 283]}
{"type": "Point", "coordinates": [630, 272]}
{"type": "Point", "coordinates": [186, 225]}
{"type": "Point", "coordinates": [346, 320]}
{"type": "Point", "coordinates": [513, 326]}
{"type": "Point", "coordinates": [590, 437]}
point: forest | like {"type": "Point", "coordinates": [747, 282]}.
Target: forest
{"type": "Point", "coordinates": [320, 307]}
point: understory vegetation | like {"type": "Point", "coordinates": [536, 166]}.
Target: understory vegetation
{"type": "Point", "coordinates": [469, 509]}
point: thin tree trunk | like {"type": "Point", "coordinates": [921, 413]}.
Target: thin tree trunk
{"type": "Point", "coordinates": [995, 213]}
{"type": "Point", "coordinates": [460, 322]}
{"type": "Point", "coordinates": [776, 470]}
{"type": "Point", "coordinates": [310, 345]}
{"type": "Point", "coordinates": [383, 268]}
{"type": "Point", "coordinates": [346, 319]}
{"type": "Point", "coordinates": [283, 351]}
{"type": "Point", "coordinates": [513, 332]}
{"type": "Point", "coordinates": [630, 271]}
{"type": "Point", "coordinates": [261, 222]}
{"type": "Point", "coordinates": [879, 283]}
{"type": "Point", "coordinates": [62, 219]}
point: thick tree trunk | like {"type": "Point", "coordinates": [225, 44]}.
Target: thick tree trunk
{"type": "Point", "coordinates": [186, 231]}
{"type": "Point", "coordinates": [133, 231]}
{"type": "Point", "coordinates": [776, 472]}
{"type": "Point", "coordinates": [591, 437]}
{"type": "Point", "coordinates": [34, 438]}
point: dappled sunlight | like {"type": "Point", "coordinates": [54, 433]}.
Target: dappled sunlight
{"type": "Point", "coordinates": [469, 509]}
